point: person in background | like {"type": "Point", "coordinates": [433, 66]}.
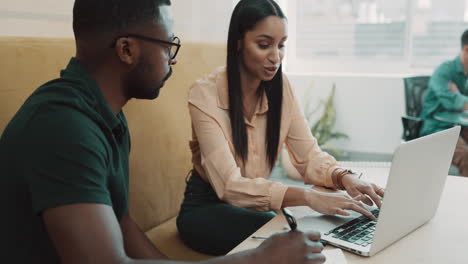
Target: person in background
{"type": "Point", "coordinates": [241, 115]}
{"type": "Point", "coordinates": [448, 91]}
{"type": "Point", "coordinates": [64, 156]}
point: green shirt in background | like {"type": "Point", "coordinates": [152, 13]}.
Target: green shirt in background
{"type": "Point", "coordinates": [439, 98]}
{"type": "Point", "coordinates": [63, 146]}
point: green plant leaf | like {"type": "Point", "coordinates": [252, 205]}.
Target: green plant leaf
{"type": "Point", "coordinates": [338, 135]}
{"type": "Point", "coordinates": [323, 128]}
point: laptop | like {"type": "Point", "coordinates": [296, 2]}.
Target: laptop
{"type": "Point", "coordinates": [414, 187]}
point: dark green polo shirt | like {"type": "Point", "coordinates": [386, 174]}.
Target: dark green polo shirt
{"type": "Point", "coordinates": [440, 98]}
{"type": "Point", "coordinates": [63, 146]}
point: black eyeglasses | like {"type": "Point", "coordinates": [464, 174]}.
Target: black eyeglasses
{"type": "Point", "coordinates": [290, 218]}
{"type": "Point", "coordinates": [174, 46]}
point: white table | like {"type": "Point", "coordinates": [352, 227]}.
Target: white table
{"type": "Point", "coordinates": [444, 239]}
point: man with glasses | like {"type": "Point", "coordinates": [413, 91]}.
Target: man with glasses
{"type": "Point", "coordinates": [64, 155]}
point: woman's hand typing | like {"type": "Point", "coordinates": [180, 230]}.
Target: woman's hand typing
{"type": "Point", "coordinates": [335, 203]}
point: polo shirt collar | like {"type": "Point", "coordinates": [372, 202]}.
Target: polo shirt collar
{"type": "Point", "coordinates": [223, 93]}
{"type": "Point", "coordinates": [93, 95]}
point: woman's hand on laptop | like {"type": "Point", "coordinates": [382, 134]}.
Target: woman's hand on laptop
{"type": "Point", "coordinates": [368, 193]}
{"type": "Point", "coordinates": [335, 203]}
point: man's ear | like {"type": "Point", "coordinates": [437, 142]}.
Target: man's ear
{"type": "Point", "coordinates": [128, 50]}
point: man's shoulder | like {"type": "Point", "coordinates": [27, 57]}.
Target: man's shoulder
{"type": "Point", "coordinates": [68, 91]}
{"type": "Point", "coordinates": [448, 67]}
{"type": "Point", "coordinates": [47, 117]}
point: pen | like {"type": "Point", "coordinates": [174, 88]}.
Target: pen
{"type": "Point", "coordinates": [293, 223]}
{"type": "Point", "coordinates": [264, 238]}
{"type": "Point", "coordinates": [290, 218]}
{"type": "Point", "coordinates": [259, 237]}
{"type": "Point", "coordinates": [360, 175]}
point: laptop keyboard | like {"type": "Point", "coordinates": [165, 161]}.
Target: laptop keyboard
{"type": "Point", "coordinates": [359, 231]}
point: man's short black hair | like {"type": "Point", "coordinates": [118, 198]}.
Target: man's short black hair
{"type": "Point", "coordinates": [464, 38]}
{"type": "Point", "coordinates": [91, 17]}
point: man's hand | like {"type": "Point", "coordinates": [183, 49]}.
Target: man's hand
{"type": "Point", "coordinates": [293, 247]}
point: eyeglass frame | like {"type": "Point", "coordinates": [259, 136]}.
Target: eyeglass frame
{"type": "Point", "coordinates": [154, 40]}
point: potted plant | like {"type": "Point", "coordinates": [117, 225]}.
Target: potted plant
{"type": "Point", "coordinates": [323, 130]}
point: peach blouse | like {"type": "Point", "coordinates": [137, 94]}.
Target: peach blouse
{"type": "Point", "coordinates": [213, 156]}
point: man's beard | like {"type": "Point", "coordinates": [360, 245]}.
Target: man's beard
{"type": "Point", "coordinates": [168, 75]}
{"type": "Point", "coordinates": [139, 88]}
{"type": "Point", "coordinates": [161, 84]}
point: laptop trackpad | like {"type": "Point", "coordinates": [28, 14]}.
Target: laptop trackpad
{"type": "Point", "coordinates": [314, 221]}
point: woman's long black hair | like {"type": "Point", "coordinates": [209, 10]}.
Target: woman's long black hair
{"type": "Point", "coordinates": [245, 16]}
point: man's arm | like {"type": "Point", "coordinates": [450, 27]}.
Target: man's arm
{"type": "Point", "coordinates": [136, 243]}
{"type": "Point", "coordinates": [90, 233]}
{"type": "Point", "coordinates": [293, 247]}
{"type": "Point", "coordinates": [454, 89]}
{"type": "Point", "coordinates": [446, 90]}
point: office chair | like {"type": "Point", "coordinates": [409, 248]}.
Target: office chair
{"type": "Point", "coordinates": [415, 91]}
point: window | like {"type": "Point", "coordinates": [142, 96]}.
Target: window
{"type": "Point", "coordinates": [346, 36]}
{"type": "Point", "coordinates": [436, 31]}
{"type": "Point", "coordinates": [373, 36]}
{"type": "Point", "coordinates": [202, 20]}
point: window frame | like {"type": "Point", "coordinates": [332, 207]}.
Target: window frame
{"type": "Point", "coordinates": [343, 65]}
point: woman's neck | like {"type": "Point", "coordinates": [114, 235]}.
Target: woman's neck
{"type": "Point", "coordinates": [250, 92]}
{"type": "Point", "coordinates": [249, 84]}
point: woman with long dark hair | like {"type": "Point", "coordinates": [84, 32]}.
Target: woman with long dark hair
{"type": "Point", "coordinates": [241, 115]}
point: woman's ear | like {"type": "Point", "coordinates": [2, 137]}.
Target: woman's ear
{"type": "Point", "coordinates": [239, 45]}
